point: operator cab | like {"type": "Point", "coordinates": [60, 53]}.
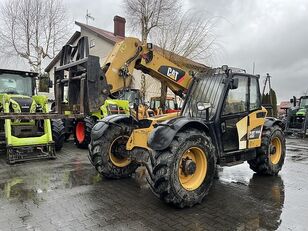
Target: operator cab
{"type": "Point", "coordinates": [303, 102]}
{"type": "Point", "coordinates": [17, 82]}
{"type": "Point", "coordinates": [227, 102]}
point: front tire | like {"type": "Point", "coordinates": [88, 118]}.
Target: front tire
{"type": "Point", "coordinates": [184, 172]}
{"type": "Point", "coordinates": [108, 152]}
{"type": "Point", "coordinates": [82, 132]}
{"type": "Point", "coordinates": [58, 133]}
{"type": "Point", "coordinates": [271, 154]}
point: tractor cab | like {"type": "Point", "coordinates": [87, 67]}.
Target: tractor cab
{"type": "Point", "coordinates": [297, 117]}
{"type": "Point", "coordinates": [134, 97]}
{"type": "Point", "coordinates": [17, 87]}
{"type": "Point", "coordinates": [303, 106]}
{"type": "Point", "coordinates": [17, 82]}
{"type": "Point", "coordinates": [228, 103]}
{"type": "Point", "coordinates": [170, 105]}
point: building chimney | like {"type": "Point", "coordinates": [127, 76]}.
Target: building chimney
{"type": "Point", "coordinates": [119, 26]}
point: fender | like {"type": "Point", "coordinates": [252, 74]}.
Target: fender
{"type": "Point", "coordinates": [102, 125]}
{"type": "Point", "coordinates": [162, 136]}
{"type": "Point", "coordinates": [271, 121]}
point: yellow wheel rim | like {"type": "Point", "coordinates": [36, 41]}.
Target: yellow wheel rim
{"type": "Point", "coordinates": [192, 181]}
{"type": "Point", "coordinates": [119, 144]}
{"type": "Point", "coordinates": [275, 157]}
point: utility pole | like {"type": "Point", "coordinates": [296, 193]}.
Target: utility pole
{"type": "Point", "coordinates": [88, 16]}
{"type": "Point", "coordinates": [268, 81]}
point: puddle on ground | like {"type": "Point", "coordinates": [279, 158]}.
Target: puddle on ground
{"type": "Point", "coordinates": [299, 157]}
{"type": "Point", "coordinates": [35, 184]}
{"type": "Point", "coordinates": [267, 192]}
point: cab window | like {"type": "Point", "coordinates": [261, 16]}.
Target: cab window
{"type": "Point", "coordinates": [254, 102]}
{"type": "Point", "coordinates": [236, 101]}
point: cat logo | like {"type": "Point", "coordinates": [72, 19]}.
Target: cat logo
{"type": "Point", "coordinates": [172, 72]}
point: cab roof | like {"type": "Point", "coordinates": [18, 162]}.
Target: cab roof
{"type": "Point", "coordinates": [17, 72]}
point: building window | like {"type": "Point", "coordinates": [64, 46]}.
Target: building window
{"type": "Point", "coordinates": [92, 43]}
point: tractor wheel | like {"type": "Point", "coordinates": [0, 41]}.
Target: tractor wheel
{"type": "Point", "coordinates": [271, 154]}
{"type": "Point", "coordinates": [58, 133]}
{"type": "Point", "coordinates": [67, 136]}
{"type": "Point", "coordinates": [82, 131]}
{"type": "Point", "coordinates": [184, 172]}
{"type": "Point", "coordinates": [108, 152]}
{"type": "Point", "coordinates": [2, 146]}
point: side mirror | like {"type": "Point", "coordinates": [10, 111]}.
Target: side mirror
{"type": "Point", "coordinates": [293, 101]}
{"type": "Point", "coordinates": [203, 106]}
{"type": "Point", "coordinates": [131, 105]}
{"type": "Point", "coordinates": [234, 84]}
{"type": "Point", "coordinates": [50, 83]}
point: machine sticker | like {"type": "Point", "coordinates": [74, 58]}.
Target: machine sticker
{"type": "Point", "coordinates": [172, 72]}
{"type": "Point", "coordinates": [255, 133]}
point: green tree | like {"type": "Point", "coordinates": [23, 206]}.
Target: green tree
{"type": "Point", "coordinates": [269, 100]}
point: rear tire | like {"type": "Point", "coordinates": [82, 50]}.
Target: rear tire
{"type": "Point", "coordinates": [82, 132]}
{"type": "Point", "coordinates": [107, 151]}
{"type": "Point", "coordinates": [266, 163]}
{"type": "Point", "coordinates": [169, 183]}
{"type": "Point", "coordinates": [58, 133]}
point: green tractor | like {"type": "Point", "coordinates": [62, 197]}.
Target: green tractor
{"type": "Point", "coordinates": [22, 136]}
{"type": "Point", "coordinates": [297, 117]}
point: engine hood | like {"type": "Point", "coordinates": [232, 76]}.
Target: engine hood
{"type": "Point", "coordinates": [24, 102]}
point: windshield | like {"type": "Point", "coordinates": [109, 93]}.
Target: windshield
{"type": "Point", "coordinates": [15, 84]}
{"type": "Point", "coordinates": [206, 90]}
{"type": "Point", "coordinates": [170, 104]}
{"type": "Point", "coordinates": [304, 103]}
{"type": "Point", "coordinates": [131, 96]}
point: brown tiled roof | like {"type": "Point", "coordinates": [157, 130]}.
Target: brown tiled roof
{"type": "Point", "coordinates": [285, 104]}
{"type": "Point", "coordinates": [104, 34]}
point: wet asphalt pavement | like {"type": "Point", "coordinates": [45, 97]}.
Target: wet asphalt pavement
{"type": "Point", "coordinates": [68, 194]}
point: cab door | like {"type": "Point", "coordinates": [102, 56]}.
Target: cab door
{"type": "Point", "coordinates": [234, 117]}
{"type": "Point", "coordinates": [257, 114]}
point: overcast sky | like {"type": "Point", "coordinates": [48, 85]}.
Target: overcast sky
{"type": "Point", "coordinates": [271, 33]}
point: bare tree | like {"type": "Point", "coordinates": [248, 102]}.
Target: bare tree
{"type": "Point", "coordinates": [33, 29]}
{"type": "Point", "coordinates": [191, 35]}
{"type": "Point", "coordinates": [147, 15]}
{"type": "Point", "coordinates": [188, 34]}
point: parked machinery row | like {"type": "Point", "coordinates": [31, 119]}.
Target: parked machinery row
{"type": "Point", "coordinates": [221, 121]}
